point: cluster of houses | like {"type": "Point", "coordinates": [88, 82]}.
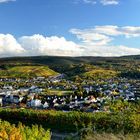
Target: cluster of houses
{"type": "Point", "coordinates": [92, 96]}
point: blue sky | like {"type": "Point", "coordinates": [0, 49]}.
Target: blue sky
{"type": "Point", "coordinates": [44, 25]}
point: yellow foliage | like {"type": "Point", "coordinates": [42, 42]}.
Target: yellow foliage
{"type": "Point", "coordinates": [3, 135]}
{"type": "Point", "coordinates": [10, 132]}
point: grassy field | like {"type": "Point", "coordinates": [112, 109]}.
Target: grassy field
{"type": "Point", "coordinates": [58, 92]}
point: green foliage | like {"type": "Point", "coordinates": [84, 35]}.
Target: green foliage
{"type": "Point", "coordinates": [130, 74]}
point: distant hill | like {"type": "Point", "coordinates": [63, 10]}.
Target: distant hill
{"type": "Point", "coordinates": [71, 66]}
{"type": "Point", "coordinates": [51, 60]}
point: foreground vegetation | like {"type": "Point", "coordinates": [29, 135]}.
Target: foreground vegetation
{"type": "Point", "coordinates": [126, 122]}
{"type": "Point", "coordinates": [87, 126]}
{"type": "Point", "coordinates": [21, 132]}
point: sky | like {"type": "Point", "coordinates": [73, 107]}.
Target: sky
{"type": "Point", "coordinates": [69, 27]}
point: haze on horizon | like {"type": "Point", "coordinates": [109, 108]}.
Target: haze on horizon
{"type": "Point", "coordinates": [69, 27]}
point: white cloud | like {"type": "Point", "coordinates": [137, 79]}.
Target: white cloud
{"type": "Point", "coordinates": [106, 32]}
{"type": "Point", "coordinates": [109, 2]}
{"type": "Point", "coordinates": [90, 1]}
{"type": "Point", "coordinates": [127, 31]}
{"type": "Point", "coordinates": [97, 41]}
{"type": "Point", "coordinates": [90, 37]}
{"type": "Point", "coordinates": [130, 31]}
{"type": "Point", "coordinates": [111, 51]}
{"type": "Point", "coordinates": [103, 2]}
{"type": "Point", "coordinates": [3, 1]}
{"type": "Point", "coordinates": [40, 45]}
{"type": "Point", "coordinates": [9, 46]}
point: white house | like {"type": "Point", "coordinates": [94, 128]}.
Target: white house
{"type": "Point", "coordinates": [46, 105]}
{"type": "Point", "coordinates": [36, 103]}
{"type": "Point", "coordinates": [1, 100]}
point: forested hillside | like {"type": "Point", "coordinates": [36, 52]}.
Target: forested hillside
{"type": "Point", "coordinates": [126, 66]}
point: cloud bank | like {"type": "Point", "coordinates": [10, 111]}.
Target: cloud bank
{"type": "Point", "coordinates": [99, 39]}
{"type": "Point", "coordinates": [40, 45]}
{"type": "Point", "coordinates": [96, 41]}
{"type": "Point", "coordinates": [37, 45]}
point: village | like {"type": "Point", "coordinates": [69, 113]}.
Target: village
{"type": "Point", "coordinates": [58, 93]}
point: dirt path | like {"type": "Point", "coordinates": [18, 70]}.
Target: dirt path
{"type": "Point", "coordinates": [61, 136]}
